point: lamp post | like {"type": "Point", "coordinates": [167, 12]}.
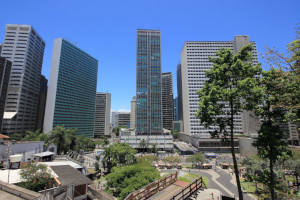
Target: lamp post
{"type": "Point", "coordinates": [8, 151]}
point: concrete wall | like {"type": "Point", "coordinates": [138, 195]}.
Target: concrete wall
{"type": "Point", "coordinates": [246, 147]}
{"type": "Point", "coordinates": [27, 149]}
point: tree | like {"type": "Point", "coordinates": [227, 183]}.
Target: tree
{"type": "Point", "coordinates": [175, 134]}
{"type": "Point", "coordinates": [172, 159]}
{"type": "Point", "coordinates": [143, 144]}
{"type": "Point", "coordinates": [58, 137]}
{"type": "Point", "coordinates": [32, 136]}
{"type": "Point", "coordinates": [228, 91]}
{"type": "Point", "coordinates": [118, 154]}
{"type": "Point", "coordinates": [154, 148]}
{"type": "Point", "coordinates": [294, 166]}
{"type": "Point", "coordinates": [196, 158]}
{"type": "Point", "coordinates": [16, 136]}
{"type": "Point", "coordinates": [36, 177]}
{"type": "Point", "coordinates": [127, 179]}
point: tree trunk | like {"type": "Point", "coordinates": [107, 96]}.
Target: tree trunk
{"type": "Point", "coordinates": [236, 171]}
{"type": "Point", "coordinates": [297, 181]}
{"type": "Point", "coordinates": [272, 179]}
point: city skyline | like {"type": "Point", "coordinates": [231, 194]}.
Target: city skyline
{"type": "Point", "coordinates": [115, 48]}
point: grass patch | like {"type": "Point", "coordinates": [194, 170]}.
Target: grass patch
{"type": "Point", "coordinates": [205, 181]}
{"type": "Point", "coordinates": [91, 170]}
{"type": "Point", "coordinates": [185, 179]}
{"type": "Point", "coordinates": [249, 186]}
{"type": "Point", "coordinates": [187, 166]}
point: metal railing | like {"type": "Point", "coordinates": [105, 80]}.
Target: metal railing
{"type": "Point", "coordinates": [190, 190]}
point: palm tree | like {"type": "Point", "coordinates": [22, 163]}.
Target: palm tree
{"type": "Point", "coordinates": [58, 137]}
{"type": "Point", "coordinates": [143, 144]}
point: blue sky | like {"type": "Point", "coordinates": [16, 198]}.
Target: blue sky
{"type": "Point", "coordinates": [107, 30]}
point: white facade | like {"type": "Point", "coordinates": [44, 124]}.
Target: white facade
{"type": "Point", "coordinates": [194, 62]}
{"type": "Point", "coordinates": [162, 142]}
{"type": "Point", "coordinates": [102, 114]}
{"type": "Point", "coordinates": [24, 47]}
{"type": "Point", "coordinates": [133, 113]}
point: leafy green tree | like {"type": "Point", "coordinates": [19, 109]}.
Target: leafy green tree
{"type": "Point", "coordinates": [229, 90]}
{"type": "Point", "coordinates": [127, 179]}
{"type": "Point", "coordinates": [85, 143]}
{"type": "Point", "coordinates": [154, 148]}
{"type": "Point", "coordinates": [294, 166]}
{"type": "Point", "coordinates": [118, 154]}
{"type": "Point", "coordinates": [16, 136]}
{"type": "Point", "coordinates": [172, 159]}
{"type": "Point", "coordinates": [32, 136]}
{"type": "Point", "coordinates": [58, 137]}
{"type": "Point", "coordinates": [147, 159]}
{"type": "Point", "coordinates": [195, 158]}
{"type": "Point", "coordinates": [36, 177]}
{"type": "Point", "coordinates": [116, 130]}
{"type": "Point", "coordinates": [143, 145]}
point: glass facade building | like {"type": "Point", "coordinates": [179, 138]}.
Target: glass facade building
{"type": "Point", "coordinates": [148, 83]}
{"type": "Point", "coordinates": [72, 89]}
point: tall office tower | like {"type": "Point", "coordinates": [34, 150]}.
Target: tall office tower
{"type": "Point", "coordinates": [72, 89]}
{"type": "Point", "coordinates": [102, 114]}
{"type": "Point", "coordinates": [291, 132]}
{"type": "Point", "coordinates": [5, 68]}
{"type": "Point", "coordinates": [148, 83]}
{"type": "Point", "coordinates": [42, 103]}
{"type": "Point", "coordinates": [121, 119]}
{"type": "Point", "coordinates": [194, 62]}
{"type": "Point", "coordinates": [133, 113]}
{"type": "Point", "coordinates": [1, 45]}
{"type": "Point", "coordinates": [24, 47]}
{"type": "Point", "coordinates": [167, 100]}
{"type": "Point", "coordinates": [179, 92]}
{"type": "Point", "coordinates": [175, 109]}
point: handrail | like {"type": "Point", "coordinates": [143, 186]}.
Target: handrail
{"type": "Point", "coordinates": [189, 190]}
{"type": "Point", "coordinates": [153, 188]}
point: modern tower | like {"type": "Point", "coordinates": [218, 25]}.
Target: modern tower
{"type": "Point", "coordinates": [42, 103]}
{"type": "Point", "coordinates": [194, 62]}
{"type": "Point", "coordinates": [121, 119]}
{"type": "Point", "coordinates": [72, 89]}
{"type": "Point", "coordinates": [133, 113]}
{"type": "Point", "coordinates": [179, 92]}
{"type": "Point", "coordinates": [148, 83]}
{"type": "Point", "coordinates": [24, 47]}
{"type": "Point", "coordinates": [167, 100]}
{"type": "Point", "coordinates": [102, 114]}
{"type": "Point", "coordinates": [5, 68]}
{"type": "Point", "coordinates": [175, 109]}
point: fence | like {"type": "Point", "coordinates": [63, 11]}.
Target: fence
{"type": "Point", "coordinates": [190, 190]}
{"type": "Point", "coordinates": [153, 188]}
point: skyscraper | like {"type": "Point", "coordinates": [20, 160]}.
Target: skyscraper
{"type": "Point", "coordinates": [42, 103]}
{"type": "Point", "coordinates": [24, 47]}
{"type": "Point", "coordinates": [5, 68]}
{"type": "Point", "coordinates": [179, 92]}
{"type": "Point", "coordinates": [102, 114]}
{"type": "Point", "coordinates": [175, 109]}
{"type": "Point", "coordinates": [167, 100]}
{"type": "Point", "coordinates": [121, 119]}
{"type": "Point", "coordinates": [133, 113]}
{"type": "Point", "coordinates": [72, 89]}
{"type": "Point", "coordinates": [194, 62]}
{"type": "Point", "coordinates": [148, 83]}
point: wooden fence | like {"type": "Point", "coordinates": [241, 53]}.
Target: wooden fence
{"type": "Point", "coordinates": [153, 188]}
{"type": "Point", "coordinates": [190, 190]}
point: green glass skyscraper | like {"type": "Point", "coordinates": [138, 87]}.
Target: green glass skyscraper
{"type": "Point", "coordinates": [72, 89]}
{"type": "Point", "coordinates": [148, 83]}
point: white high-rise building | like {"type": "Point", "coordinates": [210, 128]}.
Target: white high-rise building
{"type": "Point", "coordinates": [102, 114]}
{"type": "Point", "coordinates": [24, 47]}
{"type": "Point", "coordinates": [133, 113]}
{"type": "Point", "coordinates": [194, 62]}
